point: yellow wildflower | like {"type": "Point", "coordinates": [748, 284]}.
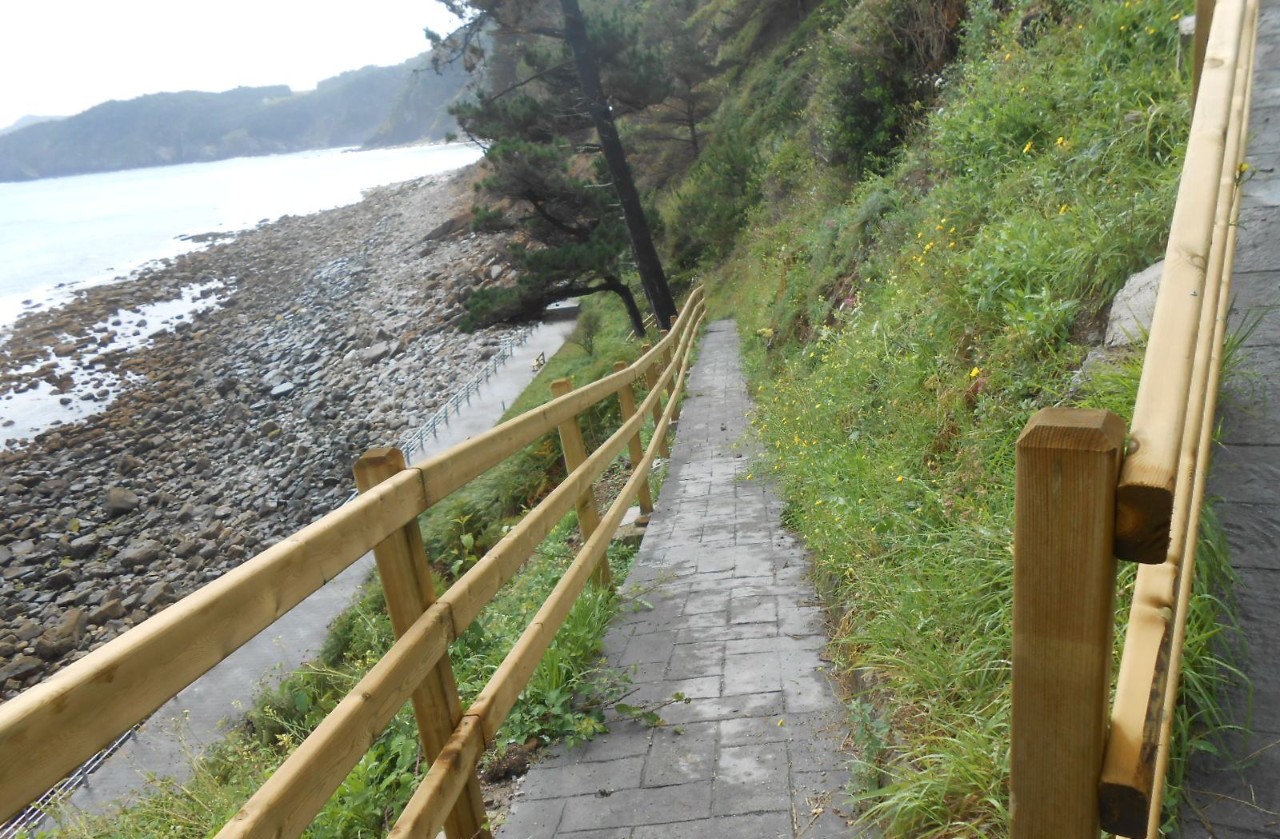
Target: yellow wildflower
{"type": "Point", "coordinates": [975, 372]}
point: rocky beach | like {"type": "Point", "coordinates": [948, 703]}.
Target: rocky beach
{"type": "Point", "coordinates": [233, 418]}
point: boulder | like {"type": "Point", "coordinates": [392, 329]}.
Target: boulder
{"type": "Point", "coordinates": [120, 501]}
{"type": "Point", "coordinates": [140, 553]}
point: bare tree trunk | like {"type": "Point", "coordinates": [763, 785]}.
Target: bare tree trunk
{"type": "Point", "coordinates": [618, 287]}
{"type": "Point", "coordinates": [647, 263]}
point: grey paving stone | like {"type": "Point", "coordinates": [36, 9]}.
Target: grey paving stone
{"type": "Point", "coordinates": [753, 609]}
{"type": "Point", "coordinates": [822, 807]}
{"type": "Point", "coordinates": [682, 754]}
{"type": "Point", "coordinates": [533, 819]}
{"type": "Point", "coordinates": [721, 611]}
{"type": "Point", "coordinates": [689, 661]}
{"type": "Point", "coordinates": [753, 731]}
{"type": "Point", "coordinates": [752, 673]}
{"type": "Point", "coordinates": [607, 833]}
{"type": "Point", "coordinates": [755, 826]}
{"type": "Point", "coordinates": [626, 738]}
{"type": "Point", "coordinates": [649, 805]}
{"type": "Point", "coordinates": [744, 780]}
{"type": "Point", "coordinates": [726, 708]}
{"type": "Point", "coordinates": [653, 646]}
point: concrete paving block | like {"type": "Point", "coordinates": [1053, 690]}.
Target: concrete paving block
{"type": "Point", "coordinates": [689, 661]}
{"type": "Point", "coordinates": [647, 673]}
{"type": "Point", "coordinates": [681, 755]}
{"type": "Point", "coordinates": [607, 833]}
{"type": "Point", "coordinates": [713, 560]}
{"type": "Point", "coordinates": [648, 696]}
{"type": "Point", "coordinates": [754, 826]}
{"type": "Point", "coordinates": [534, 819]}
{"type": "Point", "coordinates": [730, 632]}
{"type": "Point", "coordinates": [1253, 533]}
{"type": "Point", "coordinates": [652, 646]}
{"type": "Point", "coordinates": [649, 805]}
{"type": "Point", "coordinates": [626, 738]}
{"type": "Point", "coordinates": [744, 780]}
{"type": "Point", "coordinates": [752, 673]}
{"type": "Point", "coordinates": [753, 731]}
{"type": "Point", "coordinates": [584, 777]}
{"type": "Point", "coordinates": [806, 692]}
{"type": "Point", "coordinates": [822, 807]}
{"type": "Point", "coordinates": [753, 609]}
{"type": "Point", "coordinates": [1237, 796]}
{"type": "Point", "coordinates": [700, 602]}
{"type": "Point", "coordinates": [726, 708]}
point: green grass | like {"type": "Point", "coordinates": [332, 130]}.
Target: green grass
{"type": "Point", "coordinates": [907, 325]}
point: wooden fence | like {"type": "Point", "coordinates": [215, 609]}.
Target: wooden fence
{"type": "Point", "coordinates": [1085, 496]}
{"type": "Point", "coordinates": [52, 728]}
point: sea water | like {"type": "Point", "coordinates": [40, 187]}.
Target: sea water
{"type": "Point", "coordinates": [60, 234]}
{"type": "Point", "coordinates": [63, 234]}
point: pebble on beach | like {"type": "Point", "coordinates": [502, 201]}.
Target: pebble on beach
{"type": "Point", "coordinates": [233, 427]}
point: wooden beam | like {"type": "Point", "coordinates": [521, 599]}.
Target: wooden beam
{"type": "Point", "coordinates": [1147, 483]}
{"type": "Point", "coordinates": [409, 592]}
{"type": "Point", "coordinates": [575, 454]}
{"type": "Point", "coordinates": [627, 406]}
{"type": "Point", "coordinates": [54, 727]}
{"type": "Point", "coordinates": [1063, 613]}
{"type": "Point", "coordinates": [1132, 784]}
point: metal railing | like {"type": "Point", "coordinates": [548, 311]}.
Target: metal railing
{"type": "Point", "coordinates": [415, 443]}
{"type": "Point", "coordinates": [1086, 495]}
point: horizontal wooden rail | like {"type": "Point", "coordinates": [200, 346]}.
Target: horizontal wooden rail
{"type": "Point", "coordinates": [62, 722]}
{"type": "Point", "coordinates": [1132, 784]}
{"type": "Point", "coordinates": [1147, 483]}
{"type": "Point", "coordinates": [424, 814]}
{"type": "Point", "coordinates": [81, 709]}
{"type": "Point", "coordinates": [300, 787]}
{"type": "Point", "coordinates": [1061, 786]}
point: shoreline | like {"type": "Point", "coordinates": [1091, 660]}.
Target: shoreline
{"type": "Point", "coordinates": [331, 334]}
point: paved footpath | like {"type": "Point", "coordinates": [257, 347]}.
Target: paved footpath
{"type": "Point", "coordinates": [1237, 795]}
{"type": "Point", "coordinates": [719, 611]}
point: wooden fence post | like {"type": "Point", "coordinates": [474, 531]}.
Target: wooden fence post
{"type": "Point", "coordinates": [627, 401]}
{"type": "Point", "coordinates": [575, 452]}
{"type": "Point", "coordinates": [1063, 615]}
{"type": "Point", "coordinates": [667, 358]}
{"type": "Point", "coordinates": [406, 581]}
{"type": "Point", "coordinates": [651, 379]}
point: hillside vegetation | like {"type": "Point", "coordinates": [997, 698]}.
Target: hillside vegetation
{"type": "Point", "coordinates": [374, 105]}
{"type": "Point", "coordinates": [930, 206]}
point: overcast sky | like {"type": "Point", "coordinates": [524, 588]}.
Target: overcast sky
{"type": "Point", "coordinates": [60, 57]}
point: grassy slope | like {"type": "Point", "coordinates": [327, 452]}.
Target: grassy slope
{"type": "Point", "coordinates": [906, 326]}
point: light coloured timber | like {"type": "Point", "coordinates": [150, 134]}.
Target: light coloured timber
{"type": "Point", "coordinates": [424, 814]}
{"type": "Point", "coordinates": [62, 722]}
{"type": "Point", "coordinates": [574, 448]}
{"type": "Point", "coordinates": [1147, 483]}
{"type": "Point", "coordinates": [627, 407]}
{"type": "Point", "coordinates": [409, 592]}
{"type": "Point", "coordinates": [1132, 790]}
{"type": "Point", "coordinates": [1063, 614]}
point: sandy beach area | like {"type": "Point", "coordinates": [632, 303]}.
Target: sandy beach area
{"type": "Point", "coordinates": [233, 417]}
